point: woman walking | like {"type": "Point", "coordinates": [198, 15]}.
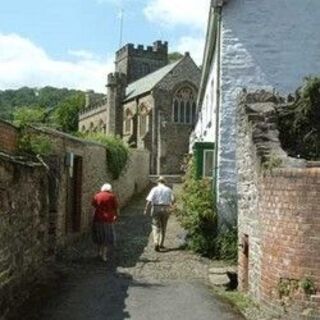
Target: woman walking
{"type": "Point", "coordinates": [105, 215]}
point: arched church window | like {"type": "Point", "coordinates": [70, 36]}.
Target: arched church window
{"type": "Point", "coordinates": [183, 102]}
{"type": "Point", "coordinates": [176, 107]}
{"type": "Point", "coordinates": [188, 112]}
{"type": "Point", "coordinates": [194, 114]}
{"type": "Point", "coordinates": [83, 128]}
{"type": "Point", "coordinates": [128, 122]}
{"type": "Point", "coordinates": [102, 126]}
{"type": "Point", "coordinates": [143, 120]}
{"type": "Point", "coordinates": [91, 127]}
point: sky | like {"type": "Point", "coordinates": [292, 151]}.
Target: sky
{"type": "Point", "coordinates": [71, 43]}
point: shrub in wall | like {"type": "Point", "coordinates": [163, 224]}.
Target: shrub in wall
{"type": "Point", "coordinates": [117, 152]}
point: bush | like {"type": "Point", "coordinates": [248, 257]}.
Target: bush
{"type": "Point", "coordinates": [35, 143]}
{"type": "Point", "coordinates": [299, 123]}
{"type": "Point", "coordinates": [117, 152]}
{"type": "Point", "coordinates": [197, 213]}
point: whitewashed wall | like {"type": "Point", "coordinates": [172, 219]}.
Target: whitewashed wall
{"type": "Point", "coordinates": [205, 129]}
{"type": "Point", "coordinates": [265, 43]}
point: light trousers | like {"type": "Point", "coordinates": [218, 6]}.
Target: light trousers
{"type": "Point", "coordinates": [160, 216]}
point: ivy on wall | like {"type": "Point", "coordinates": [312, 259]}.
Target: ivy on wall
{"type": "Point", "coordinates": [117, 152]}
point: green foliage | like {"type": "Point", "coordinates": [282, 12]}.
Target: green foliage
{"type": "Point", "coordinates": [175, 56]}
{"type": "Point", "coordinates": [26, 116]}
{"type": "Point", "coordinates": [65, 115]}
{"type": "Point", "coordinates": [300, 124]}
{"type": "Point", "coordinates": [35, 143]}
{"type": "Point", "coordinates": [61, 106]}
{"type": "Point", "coordinates": [308, 286]}
{"type": "Point", "coordinates": [287, 287]}
{"type": "Point", "coordinates": [197, 213]}
{"type": "Point", "coordinates": [117, 152]}
{"type": "Point", "coordinates": [227, 244]}
{"type": "Point", "coordinates": [271, 163]}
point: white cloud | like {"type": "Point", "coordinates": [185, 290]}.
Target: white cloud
{"type": "Point", "coordinates": [194, 45]}
{"type": "Point", "coordinates": [192, 13]}
{"type": "Point", "coordinates": [82, 54]}
{"type": "Point", "coordinates": [23, 63]}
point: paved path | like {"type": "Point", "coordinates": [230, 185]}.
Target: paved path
{"type": "Point", "coordinates": [137, 283]}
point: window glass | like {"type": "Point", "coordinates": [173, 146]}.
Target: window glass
{"type": "Point", "coordinates": [208, 161]}
{"type": "Point", "coordinates": [184, 100]}
{"type": "Point", "coordinates": [188, 112]}
{"type": "Point", "coordinates": [182, 112]}
{"type": "Point", "coordinates": [176, 111]}
{"type": "Point", "coordinates": [143, 124]}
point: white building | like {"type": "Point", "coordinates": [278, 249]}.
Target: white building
{"type": "Point", "coordinates": [253, 44]}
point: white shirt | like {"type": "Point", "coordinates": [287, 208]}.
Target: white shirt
{"type": "Point", "coordinates": [160, 195]}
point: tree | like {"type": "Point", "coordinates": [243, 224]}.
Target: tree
{"type": "Point", "coordinates": [175, 56]}
{"type": "Point", "coordinates": [26, 116]}
{"type": "Point", "coordinates": [65, 115]}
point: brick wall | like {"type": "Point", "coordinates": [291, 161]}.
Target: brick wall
{"type": "Point", "coordinates": [8, 137]}
{"type": "Point", "coordinates": [278, 215]}
{"type": "Point", "coordinates": [290, 210]}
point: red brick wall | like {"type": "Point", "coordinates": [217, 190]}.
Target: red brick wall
{"type": "Point", "coordinates": [8, 137]}
{"type": "Point", "coordinates": [289, 209]}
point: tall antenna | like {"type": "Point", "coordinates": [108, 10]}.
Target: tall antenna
{"type": "Point", "coordinates": [121, 16]}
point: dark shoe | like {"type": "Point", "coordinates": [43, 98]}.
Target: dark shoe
{"type": "Point", "coordinates": [162, 247]}
{"type": "Point", "coordinates": [156, 248]}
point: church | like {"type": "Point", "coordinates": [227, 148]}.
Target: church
{"type": "Point", "coordinates": [150, 104]}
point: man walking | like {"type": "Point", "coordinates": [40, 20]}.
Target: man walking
{"type": "Point", "coordinates": [160, 200]}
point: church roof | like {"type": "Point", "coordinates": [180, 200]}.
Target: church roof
{"type": "Point", "coordinates": [148, 82]}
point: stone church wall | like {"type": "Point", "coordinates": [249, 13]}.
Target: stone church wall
{"type": "Point", "coordinates": [278, 215]}
{"type": "Point", "coordinates": [36, 220]}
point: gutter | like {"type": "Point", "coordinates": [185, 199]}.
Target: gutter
{"type": "Point", "coordinates": [210, 48]}
{"type": "Point", "coordinates": [218, 42]}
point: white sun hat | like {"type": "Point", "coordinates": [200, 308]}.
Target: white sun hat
{"type": "Point", "coordinates": [106, 187]}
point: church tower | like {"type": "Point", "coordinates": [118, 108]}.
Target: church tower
{"type": "Point", "coordinates": [137, 62]}
{"type": "Point", "coordinates": [116, 90]}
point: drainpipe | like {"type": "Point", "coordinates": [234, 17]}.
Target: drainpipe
{"type": "Point", "coordinates": [219, 10]}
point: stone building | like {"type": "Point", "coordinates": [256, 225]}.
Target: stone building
{"type": "Point", "coordinates": [150, 103]}
{"type": "Point", "coordinates": [252, 44]}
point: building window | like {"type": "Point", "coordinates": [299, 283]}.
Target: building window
{"type": "Point", "coordinates": [128, 122]}
{"type": "Point", "coordinates": [143, 120]}
{"type": "Point", "coordinates": [208, 161]}
{"type": "Point", "coordinates": [184, 106]}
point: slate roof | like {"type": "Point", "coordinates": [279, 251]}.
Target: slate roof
{"type": "Point", "coordinates": [148, 82]}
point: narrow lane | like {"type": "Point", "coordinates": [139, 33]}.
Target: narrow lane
{"type": "Point", "coordinates": [136, 283]}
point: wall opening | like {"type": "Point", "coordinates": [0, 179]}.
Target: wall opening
{"type": "Point", "coordinates": [74, 195]}
{"type": "Point", "coordinates": [244, 263]}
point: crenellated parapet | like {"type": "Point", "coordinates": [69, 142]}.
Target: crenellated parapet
{"type": "Point", "coordinates": [116, 79]}
{"type": "Point", "coordinates": [158, 49]}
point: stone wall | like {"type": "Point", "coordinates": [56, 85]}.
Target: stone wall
{"type": "Point", "coordinates": [93, 119]}
{"type": "Point", "coordinates": [24, 227]}
{"type": "Point", "coordinates": [8, 137]}
{"type": "Point", "coordinates": [47, 204]}
{"type": "Point", "coordinates": [278, 218]}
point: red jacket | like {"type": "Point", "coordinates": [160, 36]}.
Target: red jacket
{"type": "Point", "coordinates": [106, 205]}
